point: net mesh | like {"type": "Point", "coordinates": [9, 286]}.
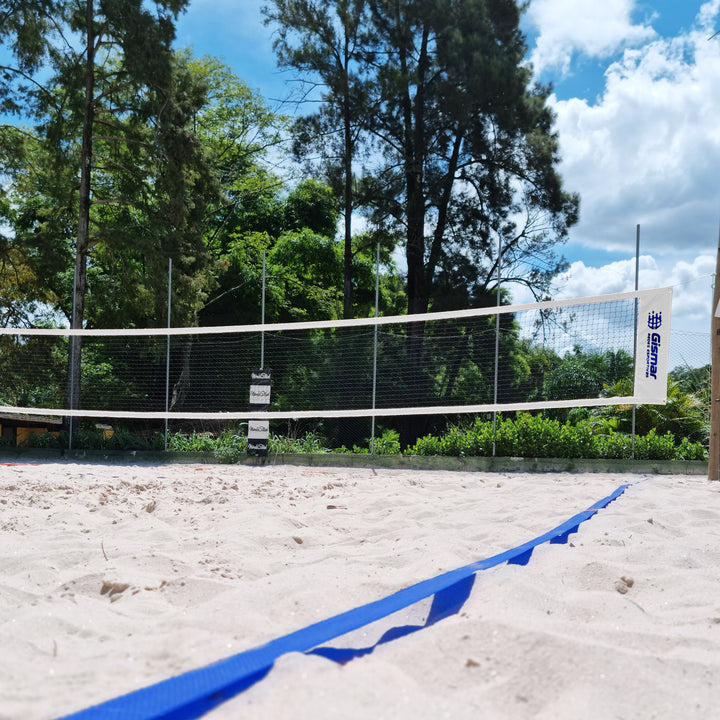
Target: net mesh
{"type": "Point", "coordinates": [436, 363]}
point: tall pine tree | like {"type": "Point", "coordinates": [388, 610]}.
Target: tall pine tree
{"type": "Point", "coordinates": [465, 154]}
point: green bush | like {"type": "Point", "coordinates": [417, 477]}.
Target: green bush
{"type": "Point", "coordinates": [310, 443]}
{"type": "Point", "coordinates": [43, 440]}
{"type": "Point", "coordinates": [542, 437]}
{"type": "Point", "coordinates": [655, 447]}
{"type": "Point", "coordinates": [388, 443]}
{"type": "Point", "coordinates": [525, 435]}
{"type": "Point", "coordinates": [428, 445]}
{"type": "Point", "coordinates": [614, 445]}
{"type": "Point", "coordinates": [688, 450]}
{"type": "Point", "coordinates": [196, 442]}
{"type": "Point", "coordinates": [227, 454]}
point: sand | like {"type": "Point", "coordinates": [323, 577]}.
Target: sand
{"type": "Point", "coordinates": [114, 577]}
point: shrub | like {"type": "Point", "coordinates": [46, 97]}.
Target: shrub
{"type": "Point", "coordinates": [42, 440]}
{"type": "Point", "coordinates": [526, 436]}
{"type": "Point", "coordinates": [196, 442]}
{"type": "Point", "coordinates": [311, 442]}
{"type": "Point", "coordinates": [614, 446]}
{"type": "Point", "coordinates": [428, 445]}
{"type": "Point", "coordinates": [655, 447]}
{"type": "Point", "coordinates": [388, 443]}
{"type": "Point", "coordinates": [539, 436]}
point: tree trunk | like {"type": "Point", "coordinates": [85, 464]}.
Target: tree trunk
{"type": "Point", "coordinates": [83, 229]}
{"type": "Point", "coordinates": [446, 196]}
{"type": "Point", "coordinates": [417, 289]}
{"type": "Point", "coordinates": [414, 159]}
{"type": "Point", "coordinates": [348, 153]}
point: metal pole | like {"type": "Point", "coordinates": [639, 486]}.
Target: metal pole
{"type": "Point", "coordinates": [262, 318]}
{"type": "Point", "coordinates": [497, 345]}
{"type": "Point", "coordinates": [73, 340]}
{"type": "Point", "coordinates": [637, 278]}
{"type": "Point", "coordinates": [167, 359]}
{"type": "Point", "coordinates": [375, 349]}
{"type": "Point", "coordinates": [714, 446]}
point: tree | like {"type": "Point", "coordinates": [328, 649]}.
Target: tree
{"type": "Point", "coordinates": [583, 374]}
{"type": "Point", "coordinates": [237, 130]}
{"type": "Point", "coordinates": [470, 154]}
{"type": "Point", "coordinates": [27, 26]}
{"type": "Point", "coordinates": [327, 44]}
{"type": "Point", "coordinates": [465, 158]}
{"type": "Point", "coordinates": [114, 115]}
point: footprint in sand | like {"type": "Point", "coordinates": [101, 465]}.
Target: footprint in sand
{"type": "Point", "coordinates": [113, 589]}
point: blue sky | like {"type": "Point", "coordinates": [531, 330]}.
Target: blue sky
{"type": "Point", "coordinates": [637, 98]}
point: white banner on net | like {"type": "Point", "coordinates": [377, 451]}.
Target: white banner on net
{"type": "Point", "coordinates": [653, 347]}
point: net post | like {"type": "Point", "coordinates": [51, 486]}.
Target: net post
{"type": "Point", "coordinates": [375, 349]}
{"type": "Point", "coordinates": [262, 315]}
{"type": "Point", "coordinates": [497, 348]}
{"type": "Point", "coordinates": [167, 357]}
{"type": "Point", "coordinates": [714, 442]}
{"type": "Point", "coordinates": [635, 345]}
{"type": "Point", "coordinates": [72, 345]}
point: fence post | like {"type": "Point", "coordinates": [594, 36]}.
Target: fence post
{"type": "Point", "coordinates": [262, 316]}
{"type": "Point", "coordinates": [167, 358]}
{"type": "Point", "coordinates": [497, 345]}
{"type": "Point", "coordinates": [635, 328]}
{"type": "Point", "coordinates": [714, 448]}
{"type": "Point", "coordinates": [73, 355]}
{"type": "Point", "coordinates": [375, 349]}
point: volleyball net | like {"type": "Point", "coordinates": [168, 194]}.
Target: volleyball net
{"type": "Point", "coordinates": [531, 356]}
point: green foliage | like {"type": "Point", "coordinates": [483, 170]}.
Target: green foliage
{"type": "Point", "coordinates": [194, 442]}
{"type": "Point", "coordinates": [388, 443]}
{"type": "Point", "coordinates": [688, 450]}
{"type": "Point", "coordinates": [325, 43]}
{"type": "Point", "coordinates": [685, 414]}
{"type": "Point", "coordinates": [542, 437]}
{"type": "Point", "coordinates": [307, 272]}
{"type": "Point", "coordinates": [41, 388]}
{"type": "Point", "coordinates": [584, 375]}
{"type": "Point", "coordinates": [147, 185]}
{"type": "Point", "coordinates": [91, 437]}
{"type": "Point", "coordinates": [312, 205]}
{"type": "Point", "coordinates": [654, 446]}
{"type": "Point", "coordinates": [43, 440]}
{"type": "Point", "coordinates": [308, 443]}
{"type": "Point", "coordinates": [452, 164]}
{"type": "Point", "coordinates": [531, 436]}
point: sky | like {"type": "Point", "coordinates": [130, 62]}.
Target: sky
{"type": "Point", "coordinates": [636, 94]}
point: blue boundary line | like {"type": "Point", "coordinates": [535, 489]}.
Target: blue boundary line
{"type": "Point", "coordinates": [194, 693]}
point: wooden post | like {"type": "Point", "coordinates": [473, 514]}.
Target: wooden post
{"type": "Point", "coordinates": [714, 449]}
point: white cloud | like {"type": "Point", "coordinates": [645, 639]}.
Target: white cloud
{"type": "Point", "coordinates": [692, 296]}
{"type": "Point", "coordinates": [580, 279]}
{"type": "Point", "coordinates": [707, 14]}
{"type": "Point", "coordinates": [595, 29]}
{"type": "Point", "coordinates": [685, 277]}
{"type": "Point", "coordinates": [649, 151]}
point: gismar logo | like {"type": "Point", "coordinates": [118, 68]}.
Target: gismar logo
{"type": "Point", "coordinates": [653, 344]}
{"type": "Point", "coordinates": [654, 320]}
